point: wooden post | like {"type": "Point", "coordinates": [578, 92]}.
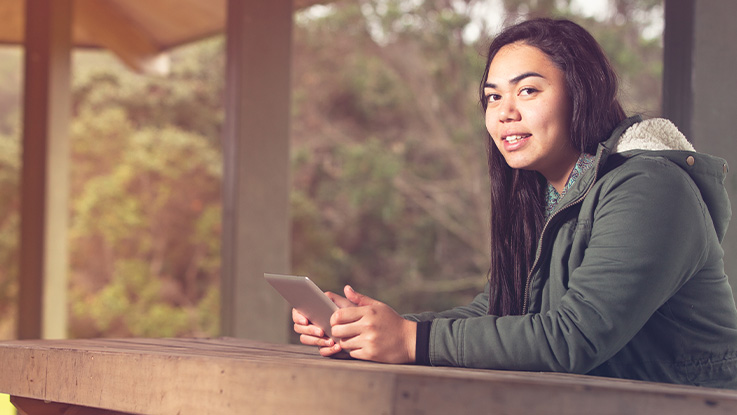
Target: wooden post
{"type": "Point", "coordinates": [678, 63]}
{"type": "Point", "coordinates": [699, 88]}
{"type": "Point", "coordinates": [256, 168]}
{"type": "Point", "coordinates": [45, 181]}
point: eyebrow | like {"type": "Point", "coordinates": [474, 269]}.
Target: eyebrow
{"type": "Point", "coordinates": [516, 79]}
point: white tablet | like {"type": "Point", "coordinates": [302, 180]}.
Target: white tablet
{"type": "Point", "coordinates": [305, 297]}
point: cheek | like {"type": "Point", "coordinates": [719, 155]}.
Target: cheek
{"type": "Point", "coordinates": [559, 115]}
{"type": "Point", "coordinates": [551, 118]}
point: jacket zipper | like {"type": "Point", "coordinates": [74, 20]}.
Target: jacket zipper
{"type": "Point", "coordinates": [525, 299]}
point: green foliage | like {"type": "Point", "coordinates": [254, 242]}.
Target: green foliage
{"type": "Point", "coordinates": [367, 175]}
{"type": "Point", "coordinates": [385, 157]}
{"type": "Point", "coordinates": [314, 248]}
{"type": "Point", "coordinates": [10, 164]}
{"type": "Point", "coordinates": [145, 225]}
{"type": "Point", "coordinates": [131, 303]}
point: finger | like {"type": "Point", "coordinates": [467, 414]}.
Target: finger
{"type": "Point", "coordinates": [343, 332]}
{"type": "Point", "coordinates": [310, 330]}
{"type": "Point", "coordinates": [311, 340]}
{"type": "Point", "coordinates": [347, 315]}
{"type": "Point", "coordinates": [357, 354]}
{"type": "Point", "coordinates": [299, 318]}
{"type": "Point", "coordinates": [329, 351]}
{"type": "Point", "coordinates": [308, 340]}
{"type": "Point", "coordinates": [356, 298]}
{"type": "Point", "coordinates": [339, 300]}
{"type": "Point", "coordinates": [352, 337]}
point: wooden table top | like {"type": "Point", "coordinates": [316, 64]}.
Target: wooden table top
{"type": "Point", "coordinates": [235, 376]}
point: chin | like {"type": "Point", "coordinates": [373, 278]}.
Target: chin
{"type": "Point", "coordinates": [518, 164]}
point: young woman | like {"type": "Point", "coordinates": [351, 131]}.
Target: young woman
{"type": "Point", "coordinates": [606, 236]}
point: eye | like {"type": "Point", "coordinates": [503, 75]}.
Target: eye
{"type": "Point", "coordinates": [527, 90]}
{"type": "Point", "coordinates": [493, 98]}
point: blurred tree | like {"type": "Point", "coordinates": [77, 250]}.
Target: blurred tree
{"type": "Point", "coordinates": [9, 233]}
{"type": "Point", "coordinates": [9, 189]}
{"type": "Point", "coordinates": [390, 148]}
{"type": "Point", "coordinates": [632, 38]}
{"type": "Point", "coordinates": [146, 200]}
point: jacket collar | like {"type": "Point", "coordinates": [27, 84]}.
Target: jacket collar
{"type": "Point", "coordinates": [607, 147]}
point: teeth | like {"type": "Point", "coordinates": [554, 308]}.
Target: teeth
{"type": "Point", "coordinates": [514, 138]}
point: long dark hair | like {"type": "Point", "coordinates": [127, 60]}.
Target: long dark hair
{"type": "Point", "coordinates": [517, 196]}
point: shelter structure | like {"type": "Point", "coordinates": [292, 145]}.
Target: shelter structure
{"type": "Point", "coordinates": [255, 142]}
{"type": "Point", "coordinates": [697, 84]}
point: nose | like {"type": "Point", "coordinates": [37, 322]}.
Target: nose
{"type": "Point", "coordinates": [508, 110]}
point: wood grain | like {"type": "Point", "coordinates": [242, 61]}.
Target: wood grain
{"type": "Point", "coordinates": [233, 376]}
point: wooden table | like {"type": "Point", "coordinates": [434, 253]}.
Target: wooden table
{"type": "Point", "coordinates": [233, 376]}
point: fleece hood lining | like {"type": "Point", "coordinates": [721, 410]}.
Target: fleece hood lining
{"type": "Point", "coordinates": [653, 134]}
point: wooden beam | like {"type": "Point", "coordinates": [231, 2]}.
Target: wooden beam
{"type": "Point", "coordinates": [256, 168]}
{"type": "Point", "coordinates": [45, 181]}
{"type": "Point", "coordinates": [102, 21]}
{"type": "Point", "coordinates": [236, 376]}
{"type": "Point", "coordinates": [678, 35]}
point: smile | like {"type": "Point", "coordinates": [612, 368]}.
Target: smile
{"type": "Point", "coordinates": [511, 139]}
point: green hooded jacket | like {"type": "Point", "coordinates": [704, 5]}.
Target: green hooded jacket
{"type": "Point", "coordinates": [629, 277]}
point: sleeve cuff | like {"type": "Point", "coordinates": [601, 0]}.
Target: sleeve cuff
{"type": "Point", "coordinates": [422, 345]}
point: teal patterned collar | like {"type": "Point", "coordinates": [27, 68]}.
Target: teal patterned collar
{"type": "Point", "coordinates": [585, 162]}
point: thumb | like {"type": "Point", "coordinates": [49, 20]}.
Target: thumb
{"type": "Point", "coordinates": [356, 298]}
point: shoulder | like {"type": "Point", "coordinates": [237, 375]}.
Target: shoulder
{"type": "Point", "coordinates": [649, 184]}
{"type": "Point", "coordinates": [647, 169]}
{"type": "Point", "coordinates": [649, 203]}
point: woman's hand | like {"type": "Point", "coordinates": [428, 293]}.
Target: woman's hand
{"type": "Point", "coordinates": [312, 335]}
{"type": "Point", "coordinates": [371, 330]}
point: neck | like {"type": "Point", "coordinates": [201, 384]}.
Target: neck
{"type": "Point", "coordinates": [559, 178]}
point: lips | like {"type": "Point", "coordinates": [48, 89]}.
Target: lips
{"type": "Point", "coordinates": [514, 142]}
{"type": "Point", "coordinates": [513, 138]}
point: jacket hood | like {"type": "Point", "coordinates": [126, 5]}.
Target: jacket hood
{"type": "Point", "coordinates": [654, 134]}
{"type": "Point", "coordinates": [659, 137]}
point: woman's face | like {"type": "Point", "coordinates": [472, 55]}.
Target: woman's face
{"type": "Point", "coordinates": [528, 113]}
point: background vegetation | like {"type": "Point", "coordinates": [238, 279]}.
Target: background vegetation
{"type": "Point", "coordinates": [389, 168]}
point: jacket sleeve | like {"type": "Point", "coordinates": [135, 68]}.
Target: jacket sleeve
{"type": "Point", "coordinates": [478, 307]}
{"type": "Point", "coordinates": [648, 236]}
